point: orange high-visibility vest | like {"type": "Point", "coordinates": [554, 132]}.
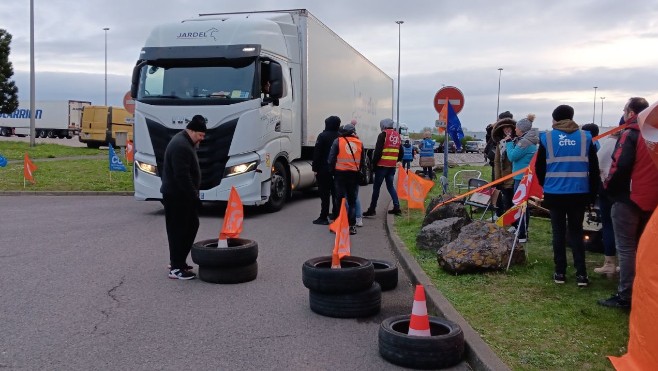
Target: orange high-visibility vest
{"type": "Point", "coordinates": [391, 149]}
{"type": "Point", "coordinates": [345, 161]}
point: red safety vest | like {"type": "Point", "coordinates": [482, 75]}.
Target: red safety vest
{"type": "Point", "coordinates": [391, 150]}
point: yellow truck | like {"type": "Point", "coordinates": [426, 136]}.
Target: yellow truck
{"type": "Point", "coordinates": [101, 123]}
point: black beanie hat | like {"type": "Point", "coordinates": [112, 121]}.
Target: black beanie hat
{"type": "Point", "coordinates": [505, 115]}
{"type": "Point", "coordinates": [563, 112]}
{"type": "Point", "coordinates": [198, 123]}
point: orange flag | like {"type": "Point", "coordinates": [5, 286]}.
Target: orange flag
{"type": "Point", "coordinates": [29, 168]}
{"type": "Point", "coordinates": [418, 189]}
{"type": "Point", "coordinates": [233, 217]}
{"type": "Point", "coordinates": [130, 155]}
{"type": "Point", "coordinates": [342, 243]}
{"type": "Point", "coordinates": [403, 184]}
{"type": "Point", "coordinates": [643, 327]}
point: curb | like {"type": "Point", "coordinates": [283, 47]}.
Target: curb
{"type": "Point", "coordinates": [64, 193]}
{"type": "Point", "coordinates": [478, 354]}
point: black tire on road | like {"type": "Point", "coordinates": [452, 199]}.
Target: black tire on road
{"type": "Point", "coordinates": [356, 274]}
{"type": "Point", "coordinates": [353, 305]}
{"type": "Point", "coordinates": [51, 134]}
{"type": "Point", "coordinates": [229, 275]}
{"type": "Point", "coordinates": [41, 134]}
{"type": "Point", "coordinates": [444, 348]}
{"type": "Point", "coordinates": [240, 252]}
{"type": "Point", "coordinates": [280, 187]}
{"type": "Point", "coordinates": [386, 274]}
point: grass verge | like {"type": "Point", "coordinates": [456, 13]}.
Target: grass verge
{"type": "Point", "coordinates": [529, 321]}
{"type": "Point", "coordinates": [16, 150]}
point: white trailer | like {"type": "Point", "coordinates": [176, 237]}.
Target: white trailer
{"type": "Point", "coordinates": [52, 119]}
{"type": "Point", "coordinates": [217, 65]}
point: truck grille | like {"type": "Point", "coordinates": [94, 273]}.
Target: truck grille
{"type": "Point", "coordinates": [212, 153]}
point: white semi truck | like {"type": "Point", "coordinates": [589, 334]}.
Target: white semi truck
{"type": "Point", "coordinates": [52, 119]}
{"type": "Point", "coordinates": [265, 82]}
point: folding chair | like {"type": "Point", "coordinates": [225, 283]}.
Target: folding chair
{"type": "Point", "coordinates": [484, 199]}
{"type": "Point", "coordinates": [461, 178]}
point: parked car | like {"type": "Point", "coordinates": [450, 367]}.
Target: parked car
{"type": "Point", "coordinates": [474, 146]}
{"type": "Point", "coordinates": [451, 147]}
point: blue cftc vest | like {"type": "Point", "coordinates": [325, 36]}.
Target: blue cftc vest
{"type": "Point", "coordinates": [427, 149]}
{"type": "Point", "coordinates": [408, 154]}
{"type": "Point", "coordinates": [567, 161]}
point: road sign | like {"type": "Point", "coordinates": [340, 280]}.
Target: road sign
{"type": "Point", "coordinates": [129, 103]}
{"type": "Point", "coordinates": [451, 93]}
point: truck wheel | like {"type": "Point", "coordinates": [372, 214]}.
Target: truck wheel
{"type": "Point", "coordinates": [386, 274]}
{"type": "Point", "coordinates": [41, 134]}
{"type": "Point", "coordinates": [442, 349]}
{"type": "Point", "coordinates": [280, 186]}
{"type": "Point", "coordinates": [370, 175]}
{"type": "Point", "coordinates": [355, 274]}
{"type": "Point", "coordinates": [364, 303]}
{"type": "Point", "coordinates": [239, 252]}
{"type": "Point", "coordinates": [229, 275]}
{"type": "Point", "coordinates": [51, 134]}
{"type": "Point", "coordinates": [94, 145]}
{"type": "Point", "coordinates": [3, 132]}
{"type": "Point", "coordinates": [61, 136]}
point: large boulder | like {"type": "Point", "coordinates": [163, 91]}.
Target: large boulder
{"type": "Point", "coordinates": [451, 210]}
{"type": "Point", "coordinates": [480, 246]}
{"type": "Point", "coordinates": [439, 233]}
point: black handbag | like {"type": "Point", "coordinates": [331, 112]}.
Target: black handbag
{"type": "Point", "coordinates": [362, 176]}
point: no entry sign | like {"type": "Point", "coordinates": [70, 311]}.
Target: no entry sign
{"type": "Point", "coordinates": [452, 94]}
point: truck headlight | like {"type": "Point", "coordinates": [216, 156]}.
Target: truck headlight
{"type": "Point", "coordinates": [147, 168]}
{"type": "Point", "coordinates": [240, 169]}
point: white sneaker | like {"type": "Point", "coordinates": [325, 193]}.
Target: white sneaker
{"type": "Point", "coordinates": [511, 229]}
{"type": "Point", "coordinates": [523, 240]}
{"type": "Point", "coordinates": [359, 222]}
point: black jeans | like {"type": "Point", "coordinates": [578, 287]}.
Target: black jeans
{"type": "Point", "coordinates": [327, 191]}
{"type": "Point", "coordinates": [561, 216]}
{"type": "Point", "coordinates": [346, 186]}
{"type": "Point", "coordinates": [182, 220]}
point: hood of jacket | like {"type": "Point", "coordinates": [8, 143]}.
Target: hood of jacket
{"type": "Point", "coordinates": [568, 126]}
{"type": "Point", "coordinates": [331, 126]}
{"type": "Point", "coordinates": [497, 132]}
{"type": "Point", "coordinates": [527, 139]}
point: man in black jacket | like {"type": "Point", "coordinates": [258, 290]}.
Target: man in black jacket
{"type": "Point", "coordinates": [323, 174]}
{"type": "Point", "coordinates": [181, 180]}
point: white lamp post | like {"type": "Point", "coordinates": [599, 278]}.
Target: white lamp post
{"type": "Point", "coordinates": [602, 98]}
{"type": "Point", "coordinates": [397, 120]}
{"type": "Point", "coordinates": [594, 113]}
{"type": "Point", "coordinates": [500, 72]}
{"type": "Point", "coordinates": [106, 29]}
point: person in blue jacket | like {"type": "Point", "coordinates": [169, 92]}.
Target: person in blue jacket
{"type": "Point", "coordinates": [426, 159]}
{"type": "Point", "coordinates": [520, 151]}
{"type": "Point", "coordinates": [408, 154]}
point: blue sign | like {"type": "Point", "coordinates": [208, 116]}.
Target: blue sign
{"type": "Point", "coordinates": [3, 161]}
{"type": "Point", "coordinates": [115, 161]}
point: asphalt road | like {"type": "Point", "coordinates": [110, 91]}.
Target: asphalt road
{"type": "Point", "coordinates": [84, 287]}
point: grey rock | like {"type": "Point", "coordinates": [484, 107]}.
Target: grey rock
{"type": "Point", "coordinates": [439, 233]}
{"type": "Point", "coordinates": [480, 247]}
{"type": "Point", "coordinates": [450, 210]}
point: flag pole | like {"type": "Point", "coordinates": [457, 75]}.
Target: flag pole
{"type": "Point", "coordinates": [408, 195]}
{"type": "Point", "coordinates": [516, 237]}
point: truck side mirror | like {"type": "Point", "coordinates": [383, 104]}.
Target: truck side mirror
{"type": "Point", "coordinates": [276, 81]}
{"type": "Point", "coordinates": [134, 82]}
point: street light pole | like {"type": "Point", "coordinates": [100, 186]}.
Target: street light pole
{"type": "Point", "coordinates": [594, 113]}
{"type": "Point", "coordinates": [106, 29]}
{"type": "Point", "coordinates": [500, 72]}
{"type": "Point", "coordinates": [602, 98]}
{"type": "Point", "coordinates": [397, 120]}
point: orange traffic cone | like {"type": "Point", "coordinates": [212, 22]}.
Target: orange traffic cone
{"type": "Point", "coordinates": [419, 325]}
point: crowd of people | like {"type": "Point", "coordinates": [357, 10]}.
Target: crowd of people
{"type": "Point", "coordinates": [577, 172]}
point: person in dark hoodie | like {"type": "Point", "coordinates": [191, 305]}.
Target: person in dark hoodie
{"type": "Point", "coordinates": [323, 174]}
{"type": "Point", "coordinates": [520, 151]}
{"type": "Point", "coordinates": [568, 169]}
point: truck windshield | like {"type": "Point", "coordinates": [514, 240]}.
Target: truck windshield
{"type": "Point", "coordinates": [197, 83]}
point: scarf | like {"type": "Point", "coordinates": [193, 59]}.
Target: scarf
{"type": "Point", "coordinates": [527, 139]}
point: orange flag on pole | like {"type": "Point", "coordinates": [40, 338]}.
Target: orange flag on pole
{"type": "Point", "coordinates": [130, 155]}
{"type": "Point", "coordinates": [233, 218]}
{"type": "Point", "coordinates": [512, 215]}
{"type": "Point", "coordinates": [643, 327]}
{"type": "Point", "coordinates": [28, 169]}
{"type": "Point", "coordinates": [418, 189]}
{"type": "Point", "coordinates": [403, 184]}
{"type": "Point", "coordinates": [342, 242]}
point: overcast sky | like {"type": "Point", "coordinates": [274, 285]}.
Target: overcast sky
{"type": "Point", "coordinates": [551, 52]}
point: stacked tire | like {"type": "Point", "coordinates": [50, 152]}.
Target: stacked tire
{"type": "Point", "coordinates": [348, 292]}
{"type": "Point", "coordinates": [227, 265]}
{"type": "Point", "coordinates": [386, 274]}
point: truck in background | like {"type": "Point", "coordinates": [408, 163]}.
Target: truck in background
{"type": "Point", "coordinates": [52, 119]}
{"type": "Point", "coordinates": [265, 82]}
{"type": "Point", "coordinates": [101, 123]}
